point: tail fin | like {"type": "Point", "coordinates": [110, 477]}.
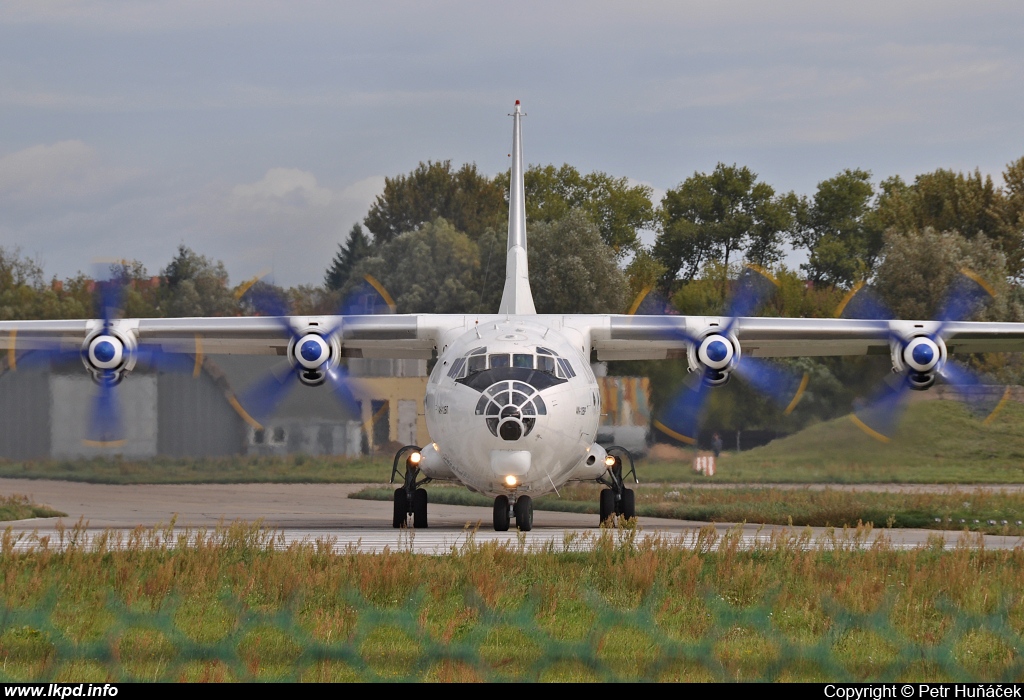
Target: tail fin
{"type": "Point", "coordinates": [517, 298]}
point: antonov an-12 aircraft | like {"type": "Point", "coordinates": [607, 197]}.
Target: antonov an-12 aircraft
{"type": "Point", "coordinates": [512, 404]}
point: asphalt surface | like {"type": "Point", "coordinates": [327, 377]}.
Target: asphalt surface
{"type": "Point", "coordinates": [324, 511]}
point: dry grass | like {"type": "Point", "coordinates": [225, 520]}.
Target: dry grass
{"type": "Point", "coordinates": [237, 604]}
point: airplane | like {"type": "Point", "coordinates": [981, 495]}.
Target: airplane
{"type": "Point", "coordinates": [512, 404]}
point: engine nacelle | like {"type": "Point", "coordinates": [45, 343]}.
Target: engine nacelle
{"type": "Point", "coordinates": [920, 359]}
{"type": "Point", "coordinates": [109, 355]}
{"type": "Point", "coordinates": [715, 356]}
{"type": "Point", "coordinates": [313, 354]}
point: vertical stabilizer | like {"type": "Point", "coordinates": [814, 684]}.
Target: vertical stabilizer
{"type": "Point", "coordinates": [517, 297]}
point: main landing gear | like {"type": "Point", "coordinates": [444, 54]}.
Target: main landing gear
{"type": "Point", "coordinates": [522, 511]}
{"type": "Point", "coordinates": [410, 498]}
{"type": "Point", "coordinates": [617, 499]}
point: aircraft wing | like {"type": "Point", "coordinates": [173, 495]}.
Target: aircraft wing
{"type": "Point", "coordinates": [626, 337]}
{"type": "Point", "coordinates": [393, 335]}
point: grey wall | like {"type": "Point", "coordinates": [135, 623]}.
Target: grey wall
{"type": "Point", "coordinates": [25, 415]}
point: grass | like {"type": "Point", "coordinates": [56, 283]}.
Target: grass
{"type": "Point", "coordinates": [17, 507]}
{"type": "Point", "coordinates": [985, 511]}
{"type": "Point", "coordinates": [239, 469]}
{"type": "Point", "coordinates": [238, 604]}
{"type": "Point", "coordinates": [938, 442]}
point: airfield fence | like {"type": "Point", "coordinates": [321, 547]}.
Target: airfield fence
{"type": "Point", "coordinates": [403, 632]}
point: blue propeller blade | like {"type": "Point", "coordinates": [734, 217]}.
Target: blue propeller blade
{"type": "Point", "coordinates": [262, 398]}
{"type": "Point", "coordinates": [753, 288]}
{"type": "Point", "coordinates": [966, 295]}
{"type": "Point", "coordinates": [779, 383]}
{"type": "Point", "coordinates": [681, 416]}
{"type": "Point", "coordinates": [882, 414]}
{"type": "Point", "coordinates": [105, 427]}
{"type": "Point", "coordinates": [45, 358]}
{"type": "Point", "coordinates": [341, 384]}
{"type": "Point", "coordinates": [157, 359]}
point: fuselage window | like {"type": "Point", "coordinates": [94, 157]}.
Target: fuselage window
{"type": "Point", "coordinates": [525, 361]}
{"type": "Point", "coordinates": [499, 361]}
{"type": "Point", "coordinates": [477, 363]}
{"type": "Point", "coordinates": [546, 364]}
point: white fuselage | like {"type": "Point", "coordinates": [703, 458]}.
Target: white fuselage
{"type": "Point", "coordinates": [513, 399]}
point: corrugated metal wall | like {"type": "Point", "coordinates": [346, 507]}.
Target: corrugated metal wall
{"type": "Point", "coordinates": [25, 420]}
{"type": "Point", "coordinates": [195, 420]}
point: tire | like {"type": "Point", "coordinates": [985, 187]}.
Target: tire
{"type": "Point", "coordinates": [524, 513]}
{"type": "Point", "coordinates": [501, 519]}
{"type": "Point", "coordinates": [628, 504]}
{"type": "Point", "coordinates": [419, 508]}
{"type": "Point", "coordinates": [401, 508]}
{"type": "Point", "coordinates": [607, 504]}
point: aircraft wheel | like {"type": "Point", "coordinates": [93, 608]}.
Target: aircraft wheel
{"type": "Point", "coordinates": [524, 513]}
{"type": "Point", "coordinates": [501, 515]}
{"type": "Point", "coordinates": [419, 508]}
{"type": "Point", "coordinates": [401, 508]}
{"type": "Point", "coordinates": [607, 504]}
{"type": "Point", "coordinates": [628, 504]}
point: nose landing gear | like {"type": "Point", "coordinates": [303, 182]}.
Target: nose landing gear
{"type": "Point", "coordinates": [410, 498]}
{"type": "Point", "coordinates": [617, 500]}
{"type": "Point", "coordinates": [504, 512]}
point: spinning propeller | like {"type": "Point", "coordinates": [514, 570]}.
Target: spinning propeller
{"type": "Point", "coordinates": [714, 354]}
{"type": "Point", "coordinates": [110, 352]}
{"type": "Point", "coordinates": [314, 351]}
{"type": "Point", "coordinates": [919, 356]}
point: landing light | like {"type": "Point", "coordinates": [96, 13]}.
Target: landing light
{"type": "Point", "coordinates": [609, 461]}
{"type": "Point", "coordinates": [414, 458]}
{"type": "Point", "coordinates": [511, 480]}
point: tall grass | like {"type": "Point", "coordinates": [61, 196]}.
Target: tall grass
{"type": "Point", "coordinates": [238, 604]}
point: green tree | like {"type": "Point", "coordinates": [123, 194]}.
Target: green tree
{"type": "Point", "coordinates": [970, 204]}
{"type": "Point", "coordinates": [712, 217]}
{"type": "Point", "coordinates": [1011, 226]}
{"type": "Point", "coordinates": [354, 249]}
{"type": "Point", "coordinates": [469, 201]}
{"type": "Point", "coordinates": [943, 200]}
{"type": "Point", "coordinates": [618, 208]}
{"type": "Point", "coordinates": [433, 269]}
{"type": "Point", "coordinates": [642, 275]}
{"type": "Point", "coordinates": [838, 228]}
{"type": "Point", "coordinates": [193, 285]}
{"type": "Point", "coordinates": [572, 270]}
{"type": "Point", "coordinates": [21, 285]}
{"type": "Point", "coordinates": [919, 268]}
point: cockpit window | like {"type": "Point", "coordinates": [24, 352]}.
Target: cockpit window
{"type": "Point", "coordinates": [477, 363]}
{"type": "Point", "coordinates": [545, 351]}
{"type": "Point", "coordinates": [566, 368]}
{"type": "Point", "coordinates": [525, 361]}
{"type": "Point", "coordinates": [499, 361]}
{"type": "Point", "coordinates": [546, 364]}
{"type": "Point", "coordinates": [456, 371]}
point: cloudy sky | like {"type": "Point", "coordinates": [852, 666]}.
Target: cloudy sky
{"type": "Point", "coordinates": [258, 132]}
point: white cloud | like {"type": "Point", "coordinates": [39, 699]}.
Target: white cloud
{"type": "Point", "coordinates": [286, 221]}
{"type": "Point", "coordinates": [49, 174]}
{"type": "Point", "coordinates": [282, 188]}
